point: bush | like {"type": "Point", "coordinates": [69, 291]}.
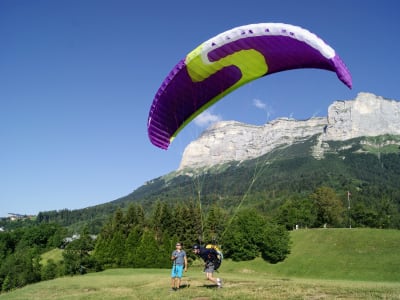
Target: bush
{"type": "Point", "coordinates": [49, 271]}
{"type": "Point", "coordinates": [276, 243]}
{"type": "Point", "coordinates": [242, 240]}
{"type": "Point", "coordinates": [250, 234]}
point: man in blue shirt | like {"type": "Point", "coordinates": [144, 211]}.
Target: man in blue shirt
{"type": "Point", "coordinates": [179, 262]}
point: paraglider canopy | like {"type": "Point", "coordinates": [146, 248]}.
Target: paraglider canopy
{"type": "Point", "coordinates": [228, 61]}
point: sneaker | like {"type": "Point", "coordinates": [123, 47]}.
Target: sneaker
{"type": "Point", "coordinates": [219, 282]}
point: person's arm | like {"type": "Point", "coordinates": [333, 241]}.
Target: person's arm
{"type": "Point", "coordinates": [173, 256]}
{"type": "Point", "coordinates": [185, 262]}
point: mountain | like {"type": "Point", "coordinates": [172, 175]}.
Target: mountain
{"type": "Point", "coordinates": [355, 148]}
{"type": "Point", "coordinates": [366, 115]}
{"type": "Point", "coordinates": [355, 137]}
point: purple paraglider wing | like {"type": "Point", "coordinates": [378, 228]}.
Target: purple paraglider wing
{"type": "Point", "coordinates": [228, 61]}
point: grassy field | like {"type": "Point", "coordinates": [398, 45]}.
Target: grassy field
{"type": "Point", "coordinates": [324, 264]}
{"type": "Point", "coordinates": [346, 254]}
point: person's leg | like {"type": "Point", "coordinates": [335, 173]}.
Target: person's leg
{"type": "Point", "coordinates": [173, 278]}
{"type": "Point", "coordinates": [210, 277]}
{"type": "Point", "coordinates": [179, 273]}
{"type": "Point", "coordinates": [209, 273]}
{"type": "Point", "coordinates": [173, 283]}
{"type": "Point", "coordinates": [217, 281]}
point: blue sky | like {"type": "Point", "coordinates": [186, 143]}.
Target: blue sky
{"type": "Point", "coordinates": [77, 79]}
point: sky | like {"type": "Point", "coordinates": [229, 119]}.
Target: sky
{"type": "Point", "coordinates": [77, 79]}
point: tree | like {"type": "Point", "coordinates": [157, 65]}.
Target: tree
{"type": "Point", "coordinates": [49, 270]}
{"type": "Point", "coordinates": [20, 268]}
{"type": "Point", "coordinates": [118, 220]}
{"type": "Point", "coordinates": [117, 249]}
{"type": "Point", "coordinates": [77, 259]}
{"type": "Point", "coordinates": [134, 216]}
{"type": "Point", "coordinates": [296, 211]}
{"type": "Point", "coordinates": [187, 225]}
{"type": "Point", "coordinates": [131, 245]}
{"type": "Point", "coordinates": [109, 249]}
{"type": "Point", "coordinates": [147, 253]}
{"type": "Point", "coordinates": [387, 213]}
{"type": "Point", "coordinates": [244, 236]}
{"type": "Point", "coordinates": [276, 243]}
{"type": "Point", "coordinates": [328, 206]}
{"type": "Point", "coordinates": [162, 219]}
{"type": "Point", "coordinates": [363, 216]}
{"type": "Point", "coordinates": [251, 235]}
{"type": "Point", "coordinates": [215, 223]}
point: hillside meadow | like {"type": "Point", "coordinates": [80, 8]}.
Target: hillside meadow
{"type": "Point", "coordinates": [349, 254]}
{"type": "Point", "coordinates": [324, 264]}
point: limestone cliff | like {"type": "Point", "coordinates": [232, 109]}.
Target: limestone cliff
{"type": "Point", "coordinates": [366, 115]}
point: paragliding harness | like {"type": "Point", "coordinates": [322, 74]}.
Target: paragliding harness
{"type": "Point", "coordinates": [216, 256]}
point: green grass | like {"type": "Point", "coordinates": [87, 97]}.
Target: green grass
{"type": "Point", "coordinates": [55, 255]}
{"type": "Point", "coordinates": [324, 264]}
{"type": "Point", "coordinates": [348, 254]}
{"type": "Point", "coordinates": [243, 283]}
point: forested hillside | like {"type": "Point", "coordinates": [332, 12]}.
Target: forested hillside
{"type": "Point", "coordinates": [366, 168]}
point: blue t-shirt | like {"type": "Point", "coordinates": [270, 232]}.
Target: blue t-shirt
{"type": "Point", "coordinates": [180, 255]}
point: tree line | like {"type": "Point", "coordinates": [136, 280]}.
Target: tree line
{"type": "Point", "coordinates": [136, 239]}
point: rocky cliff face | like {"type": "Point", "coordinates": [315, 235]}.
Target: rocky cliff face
{"type": "Point", "coordinates": [367, 115]}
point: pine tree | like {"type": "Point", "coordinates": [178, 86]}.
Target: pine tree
{"type": "Point", "coordinates": [131, 245]}
{"type": "Point", "coordinates": [215, 224]}
{"type": "Point", "coordinates": [117, 248]}
{"type": "Point", "coordinates": [162, 220]}
{"type": "Point", "coordinates": [147, 253]}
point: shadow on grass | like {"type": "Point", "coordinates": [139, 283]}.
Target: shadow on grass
{"type": "Point", "coordinates": [184, 286]}
{"type": "Point", "coordinates": [210, 286]}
